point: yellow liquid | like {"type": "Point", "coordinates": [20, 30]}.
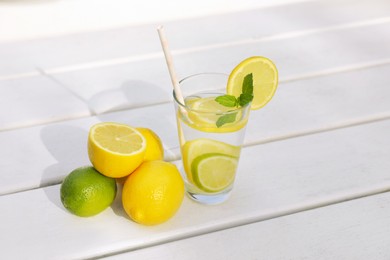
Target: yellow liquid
{"type": "Point", "coordinates": [200, 135]}
{"type": "Point", "coordinates": [204, 112]}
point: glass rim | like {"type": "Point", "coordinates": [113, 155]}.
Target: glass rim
{"type": "Point", "coordinates": [184, 106]}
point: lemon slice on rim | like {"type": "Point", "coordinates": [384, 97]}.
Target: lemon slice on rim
{"type": "Point", "coordinates": [114, 149]}
{"type": "Point", "coordinates": [265, 80]}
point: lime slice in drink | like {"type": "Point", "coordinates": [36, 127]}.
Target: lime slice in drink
{"type": "Point", "coordinates": [214, 172]}
{"type": "Point", "coordinates": [195, 148]}
{"type": "Point", "coordinates": [265, 80]}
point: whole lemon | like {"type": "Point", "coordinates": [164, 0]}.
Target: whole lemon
{"type": "Point", "coordinates": [154, 147]}
{"type": "Point", "coordinates": [153, 193]}
{"type": "Point", "coordinates": [86, 192]}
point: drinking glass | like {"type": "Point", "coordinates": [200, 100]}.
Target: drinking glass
{"type": "Point", "coordinates": [210, 136]}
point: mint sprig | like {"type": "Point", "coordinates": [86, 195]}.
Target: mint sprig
{"type": "Point", "coordinates": [245, 97]}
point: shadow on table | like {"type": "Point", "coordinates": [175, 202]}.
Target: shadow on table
{"type": "Point", "coordinates": [116, 206]}
{"type": "Point", "coordinates": [68, 145]}
{"type": "Point", "coordinates": [135, 98]}
{"type": "Point", "coordinates": [131, 94]}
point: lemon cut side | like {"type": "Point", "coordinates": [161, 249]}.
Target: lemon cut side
{"type": "Point", "coordinates": [114, 149]}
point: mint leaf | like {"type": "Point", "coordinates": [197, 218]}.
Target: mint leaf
{"type": "Point", "coordinates": [228, 118]}
{"type": "Point", "coordinates": [247, 84]}
{"type": "Point", "coordinates": [227, 100]}
{"type": "Point", "coordinates": [244, 99]}
{"type": "Point", "coordinates": [231, 101]}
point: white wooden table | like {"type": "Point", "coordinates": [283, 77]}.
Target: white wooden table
{"type": "Point", "coordinates": [314, 177]}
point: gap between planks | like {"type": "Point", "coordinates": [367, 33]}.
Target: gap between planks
{"type": "Point", "coordinates": [159, 54]}
{"type": "Point", "coordinates": [321, 73]}
{"type": "Point", "coordinates": [334, 127]}
{"type": "Point", "coordinates": [247, 220]}
{"type": "Point", "coordinates": [346, 124]}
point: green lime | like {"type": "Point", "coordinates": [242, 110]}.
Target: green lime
{"type": "Point", "coordinates": [213, 172]}
{"type": "Point", "coordinates": [86, 192]}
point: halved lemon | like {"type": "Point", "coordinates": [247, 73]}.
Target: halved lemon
{"type": "Point", "coordinates": [265, 80]}
{"type": "Point", "coordinates": [114, 149]}
{"type": "Point", "coordinates": [214, 172]}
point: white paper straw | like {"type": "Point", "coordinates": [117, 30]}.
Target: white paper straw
{"type": "Point", "coordinates": [171, 69]}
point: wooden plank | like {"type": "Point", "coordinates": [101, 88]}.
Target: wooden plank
{"type": "Point", "coordinates": [274, 179]}
{"type": "Point", "coordinates": [299, 56]}
{"type": "Point", "coordinates": [357, 229]}
{"type": "Point", "coordinates": [43, 155]}
{"type": "Point", "coordinates": [126, 43]}
{"type": "Point", "coordinates": [105, 15]}
{"type": "Point", "coordinates": [298, 108]}
{"type": "Point", "coordinates": [131, 85]}
{"type": "Point", "coordinates": [144, 82]}
{"type": "Point", "coordinates": [37, 100]}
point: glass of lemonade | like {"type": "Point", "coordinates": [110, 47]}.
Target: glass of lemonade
{"type": "Point", "coordinates": [210, 135]}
